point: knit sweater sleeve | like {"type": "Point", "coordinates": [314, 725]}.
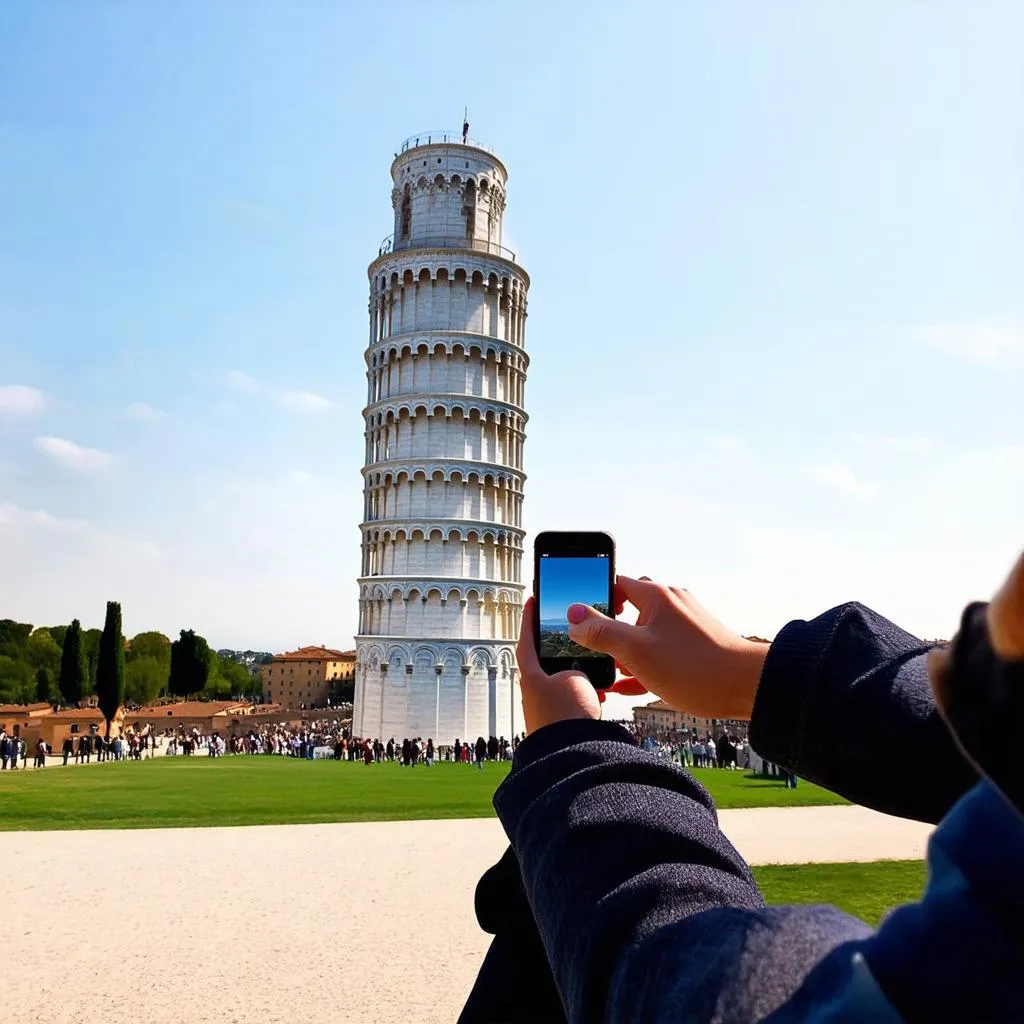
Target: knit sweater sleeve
{"type": "Point", "coordinates": [844, 700]}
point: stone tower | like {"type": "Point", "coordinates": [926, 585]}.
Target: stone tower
{"type": "Point", "coordinates": [440, 593]}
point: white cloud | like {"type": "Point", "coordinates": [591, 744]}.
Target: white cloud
{"type": "Point", "coordinates": [840, 477]}
{"type": "Point", "coordinates": [294, 400]}
{"type": "Point", "coordinates": [74, 456]}
{"type": "Point", "coordinates": [22, 400]}
{"type": "Point", "coordinates": [305, 401]}
{"type": "Point", "coordinates": [68, 568]}
{"type": "Point", "coordinates": [142, 413]}
{"type": "Point", "coordinates": [725, 443]}
{"type": "Point", "coordinates": [238, 380]}
{"type": "Point", "coordinates": [911, 445]}
{"type": "Point", "coordinates": [975, 343]}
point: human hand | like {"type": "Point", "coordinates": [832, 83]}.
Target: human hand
{"type": "Point", "coordinates": [548, 699]}
{"type": "Point", "coordinates": [677, 650]}
{"type": "Point", "coordinates": [1005, 616]}
{"type": "Point", "coordinates": [1004, 619]}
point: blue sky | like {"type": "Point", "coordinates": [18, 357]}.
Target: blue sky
{"type": "Point", "coordinates": [776, 320]}
{"type": "Point", "coordinates": [566, 581]}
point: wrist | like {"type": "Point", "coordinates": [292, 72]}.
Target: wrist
{"type": "Point", "coordinates": [750, 657]}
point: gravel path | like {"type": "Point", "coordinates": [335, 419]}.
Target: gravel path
{"type": "Point", "coordinates": [283, 923]}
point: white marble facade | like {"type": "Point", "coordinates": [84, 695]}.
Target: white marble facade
{"type": "Point", "coordinates": [440, 590]}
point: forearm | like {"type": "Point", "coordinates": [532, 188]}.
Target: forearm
{"type": "Point", "coordinates": [845, 701]}
{"type": "Point", "coordinates": [605, 834]}
{"type": "Point", "coordinates": [645, 910]}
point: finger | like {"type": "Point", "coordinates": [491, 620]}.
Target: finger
{"type": "Point", "coordinates": [938, 673]}
{"type": "Point", "coordinates": [1005, 615]}
{"type": "Point", "coordinates": [597, 632]}
{"type": "Point", "coordinates": [618, 598]}
{"type": "Point", "coordinates": [526, 650]}
{"type": "Point", "coordinates": [629, 687]}
{"type": "Point", "coordinates": [639, 592]}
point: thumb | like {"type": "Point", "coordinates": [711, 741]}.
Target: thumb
{"type": "Point", "coordinates": [1006, 616]}
{"type": "Point", "coordinates": [597, 632]}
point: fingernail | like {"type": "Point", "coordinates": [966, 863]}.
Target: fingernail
{"type": "Point", "coordinates": [576, 613]}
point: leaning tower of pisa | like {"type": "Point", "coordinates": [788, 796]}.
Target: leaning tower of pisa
{"type": "Point", "coordinates": [440, 592]}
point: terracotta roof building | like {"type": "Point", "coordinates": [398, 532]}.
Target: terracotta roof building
{"type": "Point", "coordinates": [659, 717]}
{"type": "Point", "coordinates": [207, 716]}
{"type": "Point", "coordinates": [15, 719]}
{"type": "Point", "coordinates": [306, 676]}
{"type": "Point", "coordinates": [33, 722]}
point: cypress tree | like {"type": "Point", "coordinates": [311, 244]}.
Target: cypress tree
{"type": "Point", "coordinates": [44, 685]}
{"type": "Point", "coordinates": [110, 665]}
{"type": "Point", "coordinates": [73, 670]}
{"type": "Point", "coordinates": [191, 658]}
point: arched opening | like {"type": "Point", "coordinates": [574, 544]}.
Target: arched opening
{"type": "Point", "coordinates": [469, 208]}
{"type": "Point", "coordinates": [406, 219]}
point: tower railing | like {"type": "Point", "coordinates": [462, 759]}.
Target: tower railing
{"type": "Point", "coordinates": [445, 242]}
{"type": "Point", "coordinates": [440, 136]}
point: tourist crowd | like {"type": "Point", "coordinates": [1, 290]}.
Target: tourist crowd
{"type": "Point", "coordinates": [80, 750]}
{"type": "Point", "coordinates": [314, 740]}
{"type": "Point", "coordinates": [332, 740]}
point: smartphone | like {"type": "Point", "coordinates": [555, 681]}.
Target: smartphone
{"type": "Point", "coordinates": [572, 568]}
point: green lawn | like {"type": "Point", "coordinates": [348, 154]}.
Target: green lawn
{"type": "Point", "coordinates": [865, 890]}
{"type": "Point", "coordinates": [177, 792]}
{"type": "Point", "coordinates": [741, 789]}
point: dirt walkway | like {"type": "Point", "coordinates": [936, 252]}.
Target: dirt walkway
{"type": "Point", "coordinates": [318, 923]}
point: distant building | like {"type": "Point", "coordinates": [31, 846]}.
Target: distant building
{"type": "Point", "coordinates": [307, 676]}
{"type": "Point", "coordinates": [252, 660]}
{"type": "Point", "coordinates": [32, 722]}
{"type": "Point", "coordinates": [659, 717]}
{"type": "Point", "coordinates": [205, 716]}
{"type": "Point", "coordinates": [16, 719]}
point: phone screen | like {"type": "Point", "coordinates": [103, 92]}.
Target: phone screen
{"type": "Point", "coordinates": [565, 579]}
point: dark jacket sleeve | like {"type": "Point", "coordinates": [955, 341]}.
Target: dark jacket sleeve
{"type": "Point", "coordinates": [982, 697]}
{"type": "Point", "coordinates": [844, 700]}
{"type": "Point", "coordinates": [646, 911]}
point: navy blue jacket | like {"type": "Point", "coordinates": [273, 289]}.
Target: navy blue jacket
{"type": "Point", "coordinates": [621, 900]}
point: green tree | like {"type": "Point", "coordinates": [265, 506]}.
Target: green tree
{"type": "Point", "coordinates": [145, 679]}
{"type": "Point", "coordinates": [110, 665]}
{"type": "Point", "coordinates": [17, 683]}
{"type": "Point", "coordinates": [58, 633]}
{"type": "Point", "coordinates": [150, 645]}
{"type": "Point", "coordinates": [91, 646]}
{"type": "Point", "coordinates": [191, 659]}
{"type": "Point", "coordinates": [14, 633]}
{"type": "Point", "coordinates": [41, 651]}
{"type": "Point", "coordinates": [74, 672]}
{"type": "Point", "coordinates": [232, 680]}
{"type": "Point", "coordinates": [44, 686]}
